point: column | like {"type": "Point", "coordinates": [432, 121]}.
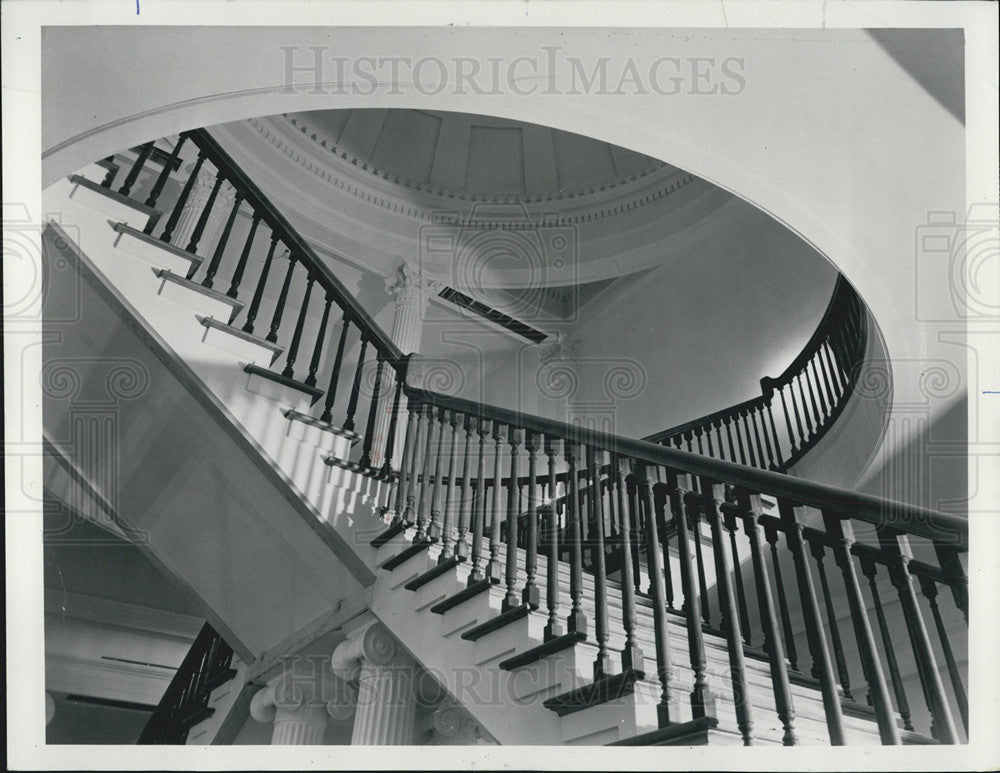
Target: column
{"type": "Point", "coordinates": [386, 704]}
{"type": "Point", "coordinates": [411, 292]}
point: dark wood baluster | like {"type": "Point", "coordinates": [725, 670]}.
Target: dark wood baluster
{"type": "Point", "coordinates": [424, 531]}
{"type": "Point", "coordinates": [241, 264]}
{"type": "Point", "coordinates": [718, 436]}
{"type": "Point", "coordinates": [818, 416]}
{"type": "Point", "coordinates": [824, 402]}
{"type": "Point", "coordinates": [694, 514]}
{"type": "Point", "coordinates": [667, 710]}
{"type": "Point", "coordinates": [805, 405]}
{"type": "Point", "coordinates": [602, 664]}
{"type": "Point", "coordinates": [390, 439]}
{"type": "Point", "coordinates": [771, 535]}
{"type": "Point", "coordinates": [896, 548]}
{"type": "Point", "coordinates": [632, 657]}
{"type": "Point", "coordinates": [175, 214]}
{"type": "Point", "coordinates": [795, 406]}
{"type": "Point", "coordinates": [841, 535]}
{"type": "Point", "coordinates": [279, 309]}
{"type": "Point", "coordinates": [750, 507]}
{"type": "Point", "coordinates": [369, 441]}
{"type": "Point", "coordinates": [780, 465]}
{"type": "Point", "coordinates": [493, 567]}
{"type": "Point", "coordinates": [826, 351]}
{"type": "Point", "coordinates": [816, 547]}
{"type": "Point", "coordinates": [697, 435]}
{"type": "Point", "coordinates": [352, 402]}
{"type": "Point", "coordinates": [338, 360]}
{"type": "Point", "coordinates": [144, 153]}
{"type": "Point", "coordinates": [405, 475]}
{"type": "Point", "coordinates": [741, 596]}
{"type": "Point", "coordinates": [161, 180]}
{"type": "Point", "coordinates": [708, 440]}
{"type": "Point", "coordinates": [293, 348]}
{"type": "Point", "coordinates": [553, 626]}
{"type": "Point", "coordinates": [759, 415]}
{"type": "Point", "coordinates": [929, 588]}
{"type": "Point", "coordinates": [792, 445]}
{"type": "Point", "coordinates": [413, 514]}
{"type": "Point", "coordinates": [577, 620]}
{"type": "Point", "coordinates": [714, 495]}
{"type": "Point", "coordinates": [530, 594]}
{"type": "Point", "coordinates": [199, 227]}
{"type": "Point", "coordinates": [638, 530]}
{"type": "Point", "coordinates": [745, 422]}
{"type": "Point", "coordinates": [752, 418]}
{"type": "Point", "coordinates": [515, 436]}
{"type": "Point", "coordinates": [435, 527]}
{"type": "Point", "coordinates": [479, 505]}
{"type": "Point", "coordinates": [954, 574]}
{"type": "Point", "coordinates": [220, 248]}
{"type": "Point", "coordinates": [868, 570]}
{"type": "Point", "coordinates": [659, 512]}
{"type": "Point", "coordinates": [109, 177]}
{"type": "Point", "coordinates": [791, 519]}
{"type": "Point", "coordinates": [702, 699]}
{"type": "Point", "coordinates": [729, 437]}
{"type": "Point", "coordinates": [320, 338]}
{"type": "Point", "coordinates": [258, 293]}
{"type": "Point", "coordinates": [464, 519]}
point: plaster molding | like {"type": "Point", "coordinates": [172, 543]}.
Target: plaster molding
{"type": "Point", "coordinates": [121, 614]}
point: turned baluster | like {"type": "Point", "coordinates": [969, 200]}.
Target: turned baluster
{"type": "Point", "coordinates": [352, 402]}
{"type": "Point", "coordinates": [530, 594]}
{"type": "Point", "coordinates": [390, 439]}
{"type": "Point", "coordinates": [258, 292]}
{"type": "Point", "coordinates": [896, 548]}
{"type": "Point", "coordinates": [752, 418]}
{"type": "Point", "coordinates": [162, 178]}
{"type": "Point", "coordinates": [279, 308]}
{"type": "Point", "coordinates": [792, 445]}
{"type": "Point", "coordinates": [109, 178]}
{"type": "Point", "coordinates": [405, 482]}
{"type": "Point", "coordinates": [331, 392]}
{"type": "Point", "coordinates": [293, 347]}
{"type": "Point", "coordinates": [812, 396]}
{"type": "Point", "coordinates": [515, 436]}
{"type": "Point", "coordinates": [577, 620]}
{"type": "Point", "coordinates": [435, 527]}
{"type": "Point", "coordinates": [841, 534]}
{"type": "Point", "coordinates": [750, 507]}
{"type": "Point", "coordinates": [602, 664]}
{"type": "Point", "coordinates": [320, 338]}
{"type": "Point", "coordinates": [759, 414]}
{"type": "Point", "coordinates": [816, 547]}
{"type": "Point", "coordinates": [553, 625]}
{"type": "Point", "coordinates": [660, 494]}
{"type": "Point", "coordinates": [869, 571]}
{"type": "Point", "coordinates": [144, 153]}
{"type": "Point", "coordinates": [476, 573]}
{"type": "Point", "coordinates": [771, 535]}
{"type": "Point", "coordinates": [714, 495]}
{"type": "Point", "coordinates": [929, 588]}
{"type": "Point", "coordinates": [175, 214]}
{"type": "Point", "coordinates": [220, 248]}
{"type": "Point", "coordinates": [774, 434]}
{"type": "Point", "coordinates": [791, 519]}
{"type": "Point", "coordinates": [241, 264]}
{"type": "Point", "coordinates": [694, 515]}
{"type": "Point", "coordinates": [369, 441]}
{"type": "Point", "coordinates": [493, 568]}
{"type": "Point", "coordinates": [702, 698]}
{"type": "Point", "coordinates": [741, 597]}
{"type": "Point", "coordinates": [825, 404]}
{"type": "Point", "coordinates": [632, 657]}
{"type": "Point", "coordinates": [954, 574]}
{"type": "Point", "coordinates": [419, 461]}
{"type": "Point", "coordinates": [727, 421]}
{"type": "Point", "coordinates": [206, 212]}
{"type": "Point", "coordinates": [461, 551]}
{"type": "Point", "coordinates": [638, 530]}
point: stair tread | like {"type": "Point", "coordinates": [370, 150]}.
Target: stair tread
{"type": "Point", "coordinates": [601, 691]}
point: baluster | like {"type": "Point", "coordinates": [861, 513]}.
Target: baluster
{"type": "Point", "coordinates": [795, 406]}
{"type": "Point", "coordinates": [741, 597]}
{"type": "Point", "coordinates": [929, 588]}
{"type": "Point", "coordinates": [493, 564]}
{"type": "Point", "coordinates": [896, 549]}
{"type": "Point", "coordinates": [702, 698]}
{"type": "Point", "coordinates": [232, 292]}
{"type": "Point", "coordinates": [694, 513]}
{"type": "Point", "coordinates": [220, 248]}
{"type": "Point", "coordinates": [390, 439]}
{"type": "Point", "coordinates": [954, 574]}
{"type": "Point", "coordinates": [825, 403]}
{"type": "Point", "coordinates": [708, 440]}
{"type": "Point", "coordinates": [331, 392]}
{"type": "Point", "coordinates": [109, 178]}
{"type": "Point", "coordinates": [258, 293]}
{"type": "Point", "coordinates": [479, 505]}
{"type": "Point", "coordinates": [199, 227]}
{"type": "Point", "coordinates": [414, 511]}
{"type": "Point", "coordinates": [405, 480]}
{"type": "Point", "coordinates": [729, 437]}
{"type": "Point", "coordinates": [352, 403]}
{"type": "Point", "coordinates": [425, 526]}
{"type": "Point", "coordinates": [687, 439]}
{"type": "Point", "coordinates": [530, 594]}
{"type": "Point", "coordinates": [774, 433]}
{"type": "Point", "coordinates": [822, 668]}
{"type": "Point", "coordinates": [831, 367]}
{"type": "Point", "coordinates": [632, 657]}
{"type": "Point", "coordinates": [162, 178]}
{"type": "Point", "coordinates": [461, 550]}
{"type": "Point", "coordinates": [659, 512]}
{"type": "Point", "coordinates": [792, 445]}
{"type": "Point", "coordinates": [759, 414]}
{"type": "Point", "coordinates": [293, 349]}
{"type": "Point", "coordinates": [553, 626]}
{"type": "Point", "coordinates": [144, 153]}
{"type": "Point", "coordinates": [771, 535]}
{"type": "Point", "coordinates": [817, 549]}
{"type": "Point", "coordinates": [812, 397]}
{"type": "Point", "coordinates": [868, 570]}
{"type": "Point", "coordinates": [320, 337]}
{"type": "Point", "coordinates": [577, 620]}
{"type": "Point", "coordinates": [752, 418]}
{"type": "Point", "coordinates": [366, 450]}
{"type": "Point", "coordinates": [714, 496]}
{"type": "Point", "coordinates": [279, 308]}
{"type": "Point", "coordinates": [718, 436]}
{"type": "Point", "coordinates": [435, 527]}
{"type": "Point", "coordinates": [175, 215]}
{"type": "Point", "coordinates": [515, 436]}
{"type": "Point", "coordinates": [745, 422]}
{"type": "Point", "coordinates": [697, 435]}
{"type": "Point", "coordinates": [842, 536]}
{"type": "Point", "coordinates": [750, 507]}
{"type": "Point", "coordinates": [638, 529]}
{"type": "Point", "coordinates": [602, 664]}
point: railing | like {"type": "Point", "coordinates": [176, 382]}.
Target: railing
{"type": "Point", "coordinates": [285, 246]}
{"type": "Point", "coordinates": [627, 510]}
{"type": "Point", "coordinates": [185, 702]}
{"type": "Point", "coordinates": [812, 391]}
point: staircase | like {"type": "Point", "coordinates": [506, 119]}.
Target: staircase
{"type": "Point", "coordinates": [564, 585]}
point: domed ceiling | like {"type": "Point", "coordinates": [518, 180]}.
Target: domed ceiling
{"type": "Point", "coordinates": [473, 157]}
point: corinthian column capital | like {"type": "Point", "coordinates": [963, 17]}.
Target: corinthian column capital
{"type": "Point", "coordinates": [408, 285]}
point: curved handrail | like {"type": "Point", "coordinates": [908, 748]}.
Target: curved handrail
{"type": "Point", "coordinates": [825, 372]}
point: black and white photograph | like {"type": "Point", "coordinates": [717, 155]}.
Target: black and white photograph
{"type": "Point", "coordinates": [548, 381]}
